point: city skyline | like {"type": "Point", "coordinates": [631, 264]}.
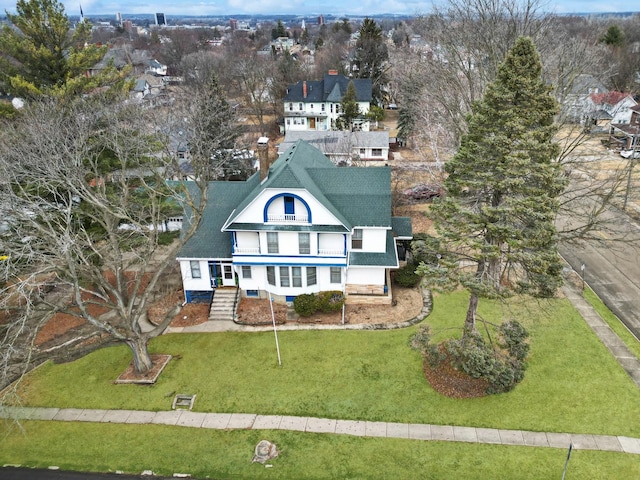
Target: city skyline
{"type": "Point", "coordinates": [297, 7]}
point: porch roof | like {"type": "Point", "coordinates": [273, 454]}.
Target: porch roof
{"type": "Point", "coordinates": [388, 259]}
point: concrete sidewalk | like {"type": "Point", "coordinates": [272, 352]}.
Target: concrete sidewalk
{"type": "Point", "coordinates": [359, 428]}
{"type": "Point", "coordinates": [618, 349]}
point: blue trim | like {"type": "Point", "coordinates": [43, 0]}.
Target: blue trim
{"type": "Point", "coordinates": [252, 293]}
{"type": "Point", "coordinates": [290, 298]}
{"type": "Point", "coordinates": [345, 243]}
{"type": "Point", "coordinates": [290, 264]}
{"type": "Point", "coordinates": [302, 257]}
{"type": "Point", "coordinates": [289, 205]}
{"type": "Point", "coordinates": [266, 206]}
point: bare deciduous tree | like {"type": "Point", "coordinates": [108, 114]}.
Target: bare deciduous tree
{"type": "Point", "coordinates": [85, 198]}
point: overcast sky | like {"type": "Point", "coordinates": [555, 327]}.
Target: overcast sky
{"type": "Point", "coordinates": [299, 7]}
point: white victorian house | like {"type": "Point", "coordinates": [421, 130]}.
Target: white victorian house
{"type": "Point", "coordinates": [300, 225]}
{"type": "Point", "coordinates": [316, 105]}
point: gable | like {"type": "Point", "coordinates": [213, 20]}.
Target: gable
{"type": "Point", "coordinates": [331, 89]}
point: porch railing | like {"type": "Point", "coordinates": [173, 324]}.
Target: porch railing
{"type": "Point", "coordinates": [292, 218]}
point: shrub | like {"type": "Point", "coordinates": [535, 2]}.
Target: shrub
{"type": "Point", "coordinates": [305, 305]}
{"type": "Point", "coordinates": [330, 301]}
{"type": "Point", "coordinates": [167, 238]}
{"type": "Point", "coordinates": [421, 341]}
{"type": "Point", "coordinates": [514, 338]}
{"type": "Point", "coordinates": [503, 370]}
{"type": "Point", "coordinates": [407, 276]}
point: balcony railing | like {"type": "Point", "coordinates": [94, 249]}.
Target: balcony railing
{"type": "Point", "coordinates": [246, 250]}
{"type": "Point", "coordinates": [331, 251]}
{"type": "Point", "coordinates": [288, 218]}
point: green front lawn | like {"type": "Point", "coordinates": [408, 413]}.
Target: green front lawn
{"type": "Point", "coordinates": [614, 322]}
{"type": "Point", "coordinates": [572, 384]}
{"type": "Point", "coordinates": [227, 455]}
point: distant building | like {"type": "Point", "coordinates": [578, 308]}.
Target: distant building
{"type": "Point", "coordinates": [233, 23]}
{"type": "Point", "coordinates": [160, 19]}
{"type": "Point", "coordinates": [119, 18]}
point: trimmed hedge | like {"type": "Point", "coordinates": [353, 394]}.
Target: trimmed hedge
{"type": "Point", "coordinates": [307, 304]}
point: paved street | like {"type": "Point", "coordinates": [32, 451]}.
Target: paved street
{"type": "Point", "coordinates": [612, 268]}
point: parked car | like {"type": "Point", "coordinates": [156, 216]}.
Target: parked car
{"type": "Point", "coordinates": [423, 191]}
{"type": "Point", "coordinates": [629, 153]}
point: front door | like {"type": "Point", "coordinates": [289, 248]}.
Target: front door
{"type": "Point", "coordinates": [312, 124]}
{"type": "Point", "coordinates": [228, 277]}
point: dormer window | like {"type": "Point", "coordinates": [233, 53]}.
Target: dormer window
{"type": "Point", "coordinates": [300, 106]}
{"type": "Point", "coordinates": [356, 239]}
{"type": "Point", "coordinates": [291, 107]}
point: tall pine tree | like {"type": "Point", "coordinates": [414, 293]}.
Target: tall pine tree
{"type": "Point", "coordinates": [371, 57]}
{"type": "Point", "coordinates": [496, 222]}
{"type": "Point", "coordinates": [41, 54]}
{"type": "Point", "coordinates": [350, 108]}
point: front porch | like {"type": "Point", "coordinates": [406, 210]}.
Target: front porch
{"type": "Point", "coordinates": [370, 294]}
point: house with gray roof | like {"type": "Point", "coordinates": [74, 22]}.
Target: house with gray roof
{"type": "Point", "coordinates": [300, 225]}
{"type": "Point", "coordinates": [316, 105]}
{"type": "Point", "coordinates": [344, 147]}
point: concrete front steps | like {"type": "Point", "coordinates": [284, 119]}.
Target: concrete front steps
{"type": "Point", "coordinates": [222, 305]}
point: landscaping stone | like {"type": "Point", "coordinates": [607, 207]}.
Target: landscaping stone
{"type": "Point", "coordinates": [264, 451]}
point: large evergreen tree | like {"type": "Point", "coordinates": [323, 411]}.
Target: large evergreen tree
{"type": "Point", "coordinates": [41, 54]}
{"type": "Point", "coordinates": [496, 222]}
{"type": "Point", "coordinates": [349, 107]}
{"type": "Point", "coordinates": [371, 57]}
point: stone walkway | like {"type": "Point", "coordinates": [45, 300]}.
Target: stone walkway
{"type": "Point", "coordinates": [358, 428]}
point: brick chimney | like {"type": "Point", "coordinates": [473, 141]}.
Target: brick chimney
{"type": "Point", "coordinates": [304, 89]}
{"type": "Point", "coordinates": [263, 157]}
{"type": "Point", "coordinates": [333, 72]}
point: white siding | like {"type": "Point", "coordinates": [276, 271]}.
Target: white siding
{"type": "Point", "coordinates": [189, 283]}
{"type": "Point", "coordinates": [254, 213]}
{"type": "Point", "coordinates": [366, 276]}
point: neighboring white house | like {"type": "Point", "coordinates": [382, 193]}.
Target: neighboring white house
{"type": "Point", "coordinates": [316, 105]}
{"type": "Point", "coordinates": [616, 104]}
{"type": "Point", "coordinates": [344, 147]}
{"type": "Point", "coordinates": [300, 225]}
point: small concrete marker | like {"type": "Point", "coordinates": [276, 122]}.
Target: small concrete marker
{"type": "Point", "coordinates": [53, 467]}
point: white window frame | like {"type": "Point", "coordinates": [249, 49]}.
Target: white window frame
{"type": "Point", "coordinates": [272, 242]}
{"type": "Point", "coordinates": [335, 273]}
{"type": "Point", "coordinates": [312, 276]}
{"type": "Point", "coordinates": [194, 265]}
{"type": "Point", "coordinates": [304, 248]}
{"type": "Point", "coordinates": [246, 271]}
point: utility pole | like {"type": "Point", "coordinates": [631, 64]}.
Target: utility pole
{"type": "Point", "coordinates": [632, 158]}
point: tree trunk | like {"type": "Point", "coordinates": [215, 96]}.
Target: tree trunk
{"type": "Point", "coordinates": [141, 359]}
{"type": "Point", "coordinates": [470, 321]}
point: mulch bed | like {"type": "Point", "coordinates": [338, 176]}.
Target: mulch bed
{"type": "Point", "coordinates": [130, 376]}
{"type": "Point", "coordinates": [450, 382]}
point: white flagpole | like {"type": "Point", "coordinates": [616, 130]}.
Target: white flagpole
{"type": "Point", "coordinates": [275, 332]}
